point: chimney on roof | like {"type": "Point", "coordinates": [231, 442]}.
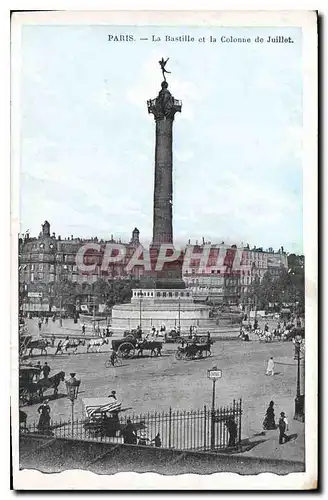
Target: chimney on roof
{"type": "Point", "coordinates": [135, 236]}
{"type": "Point", "coordinates": [46, 228]}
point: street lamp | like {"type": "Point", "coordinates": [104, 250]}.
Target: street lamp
{"type": "Point", "coordinates": [140, 294]}
{"type": "Point", "coordinates": [72, 387]}
{"type": "Point", "coordinates": [299, 399]}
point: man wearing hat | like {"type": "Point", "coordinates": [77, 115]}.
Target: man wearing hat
{"type": "Point", "coordinates": [112, 395]}
{"type": "Point", "coordinates": [282, 425]}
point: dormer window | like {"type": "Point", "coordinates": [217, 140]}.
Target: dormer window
{"type": "Point", "coordinates": [41, 245]}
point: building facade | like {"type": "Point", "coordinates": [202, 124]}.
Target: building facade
{"type": "Point", "coordinates": [226, 282]}
{"type": "Point", "coordinates": [48, 260]}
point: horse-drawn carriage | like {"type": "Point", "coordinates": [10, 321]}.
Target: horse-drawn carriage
{"type": "Point", "coordinates": [103, 418]}
{"type": "Point", "coordinates": [194, 350]}
{"type": "Point", "coordinates": [131, 345]}
{"type": "Point", "coordinates": [31, 387]}
{"type": "Point", "coordinates": [27, 345]}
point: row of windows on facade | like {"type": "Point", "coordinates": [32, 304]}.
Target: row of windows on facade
{"type": "Point", "coordinates": [160, 294]}
{"type": "Point", "coordinates": [243, 280]}
{"type": "Point", "coordinates": [52, 277]}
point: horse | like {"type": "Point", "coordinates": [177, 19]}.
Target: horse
{"type": "Point", "coordinates": [23, 344]}
{"type": "Point", "coordinates": [50, 383]}
{"type": "Point", "coordinates": [73, 344]}
{"type": "Point", "coordinates": [98, 342]}
{"type": "Point", "coordinates": [154, 347]}
{"type": "Point", "coordinates": [22, 419]}
{"type": "Point", "coordinates": [41, 344]}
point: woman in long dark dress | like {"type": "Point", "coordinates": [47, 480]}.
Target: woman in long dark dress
{"type": "Point", "coordinates": [44, 420]}
{"type": "Point", "coordinates": [269, 422]}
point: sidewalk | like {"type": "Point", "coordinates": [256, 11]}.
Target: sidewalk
{"type": "Point", "coordinates": [293, 450]}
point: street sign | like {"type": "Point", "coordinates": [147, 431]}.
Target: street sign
{"type": "Point", "coordinates": [35, 295]}
{"type": "Point", "coordinates": [214, 374]}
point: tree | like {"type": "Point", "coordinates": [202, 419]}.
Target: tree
{"type": "Point", "coordinates": [64, 294]}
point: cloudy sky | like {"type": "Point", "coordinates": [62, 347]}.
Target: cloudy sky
{"type": "Point", "coordinates": [87, 155]}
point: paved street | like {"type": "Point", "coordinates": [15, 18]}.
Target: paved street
{"type": "Point", "coordinates": [149, 384]}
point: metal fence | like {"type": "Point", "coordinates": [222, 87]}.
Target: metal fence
{"type": "Point", "coordinates": [182, 430]}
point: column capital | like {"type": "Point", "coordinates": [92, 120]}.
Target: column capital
{"type": "Point", "coordinates": [164, 105]}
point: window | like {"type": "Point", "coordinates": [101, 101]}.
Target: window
{"type": "Point", "coordinates": [187, 294]}
{"type": "Point", "coordinates": [41, 267]}
{"type": "Point", "coordinates": [176, 294]}
{"type": "Point", "coordinates": [158, 294]}
{"type": "Point", "coordinates": [164, 294]}
{"type": "Point", "coordinates": [182, 294]}
{"type": "Point", "coordinates": [41, 256]}
{"type": "Point", "coordinates": [170, 294]}
{"type": "Point", "coordinates": [40, 276]}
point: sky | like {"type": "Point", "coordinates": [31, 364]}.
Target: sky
{"type": "Point", "coordinates": [87, 140]}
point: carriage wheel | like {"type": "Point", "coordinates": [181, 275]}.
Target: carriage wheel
{"type": "Point", "coordinates": [178, 355]}
{"type": "Point", "coordinates": [126, 350]}
{"type": "Point", "coordinates": [203, 340]}
{"type": "Point", "coordinates": [208, 353]}
{"type": "Point", "coordinates": [190, 355]}
{"type": "Point", "coordinates": [108, 363]}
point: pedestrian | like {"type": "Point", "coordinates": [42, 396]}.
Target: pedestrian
{"type": "Point", "coordinates": [107, 331]}
{"type": "Point", "coordinates": [143, 438]}
{"type": "Point", "coordinates": [282, 428]}
{"type": "Point", "coordinates": [83, 329]}
{"type": "Point", "coordinates": [46, 370]}
{"type": "Point", "coordinates": [44, 420]}
{"type": "Point", "coordinates": [47, 320]}
{"type": "Point", "coordinates": [157, 440]}
{"type": "Point", "coordinates": [129, 433]}
{"type": "Point", "coordinates": [113, 395]}
{"type": "Point", "coordinates": [269, 421]}
{"type": "Point", "coordinates": [40, 325]}
{"type": "Point", "coordinates": [53, 339]}
{"type": "Point", "coordinates": [270, 367]}
{"type": "Point", "coordinates": [266, 327]}
{"type": "Point", "coordinates": [59, 348]}
{"type": "Point", "coordinates": [232, 429]}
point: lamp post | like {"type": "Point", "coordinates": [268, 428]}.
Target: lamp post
{"type": "Point", "coordinates": [299, 399]}
{"type": "Point", "coordinates": [72, 387]}
{"type": "Point", "coordinates": [214, 374]}
{"type": "Point", "coordinates": [140, 294]}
